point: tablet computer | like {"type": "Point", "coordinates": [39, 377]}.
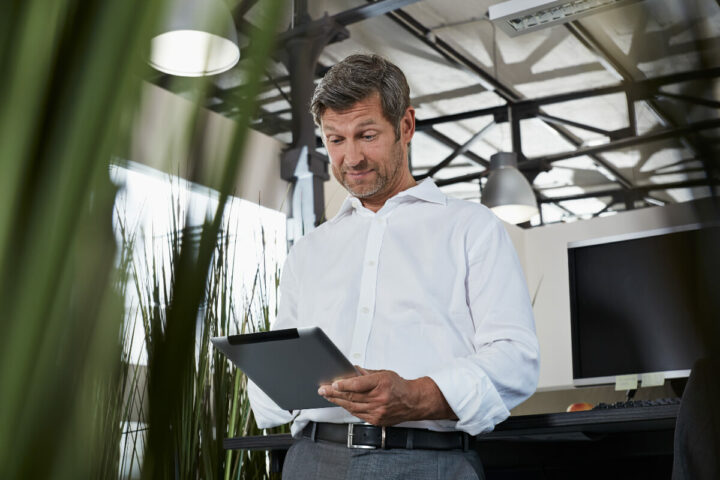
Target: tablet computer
{"type": "Point", "coordinates": [288, 365]}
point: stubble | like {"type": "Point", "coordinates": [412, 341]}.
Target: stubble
{"type": "Point", "coordinates": [383, 176]}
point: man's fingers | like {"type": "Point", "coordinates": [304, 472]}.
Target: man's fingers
{"type": "Point", "coordinates": [364, 411]}
{"type": "Point", "coordinates": [364, 383]}
{"type": "Point", "coordinates": [329, 392]}
{"type": "Point", "coordinates": [352, 407]}
{"type": "Point", "coordinates": [354, 397]}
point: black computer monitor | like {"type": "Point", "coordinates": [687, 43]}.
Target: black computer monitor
{"type": "Point", "coordinates": [639, 302]}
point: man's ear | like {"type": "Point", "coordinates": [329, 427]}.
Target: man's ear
{"type": "Point", "coordinates": [407, 125]}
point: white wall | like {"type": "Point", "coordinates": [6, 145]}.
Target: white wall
{"type": "Point", "coordinates": [161, 141]}
{"type": "Point", "coordinates": [545, 259]}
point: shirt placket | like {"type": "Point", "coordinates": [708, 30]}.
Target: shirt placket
{"type": "Point", "coordinates": [368, 283]}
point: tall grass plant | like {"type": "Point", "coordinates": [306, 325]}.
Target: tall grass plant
{"type": "Point", "coordinates": [71, 84]}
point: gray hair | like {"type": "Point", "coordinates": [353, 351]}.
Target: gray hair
{"type": "Point", "coordinates": [358, 77]}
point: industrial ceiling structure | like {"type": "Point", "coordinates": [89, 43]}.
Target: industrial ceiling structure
{"type": "Point", "coordinates": [612, 110]}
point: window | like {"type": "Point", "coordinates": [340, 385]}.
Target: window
{"type": "Point", "coordinates": [151, 208]}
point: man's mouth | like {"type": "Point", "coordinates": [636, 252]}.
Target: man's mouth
{"type": "Point", "coordinates": [358, 175]}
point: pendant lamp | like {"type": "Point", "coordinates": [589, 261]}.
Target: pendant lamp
{"type": "Point", "coordinates": [507, 192]}
{"type": "Point", "coordinates": [198, 38]}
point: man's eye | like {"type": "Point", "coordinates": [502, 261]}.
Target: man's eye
{"type": "Point", "coordinates": [369, 137]}
{"type": "Point", "coordinates": [335, 141]}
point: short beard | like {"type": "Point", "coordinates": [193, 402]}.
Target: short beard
{"type": "Point", "coordinates": [381, 181]}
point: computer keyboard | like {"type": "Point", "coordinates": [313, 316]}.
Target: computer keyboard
{"type": "Point", "coordinates": [638, 403]}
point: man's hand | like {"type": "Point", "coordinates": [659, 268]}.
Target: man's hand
{"type": "Point", "coordinates": [383, 398]}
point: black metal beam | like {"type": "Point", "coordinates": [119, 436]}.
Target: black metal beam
{"type": "Point", "coordinates": [632, 118]}
{"type": "Point", "coordinates": [605, 209]}
{"type": "Point", "coordinates": [458, 151]}
{"type": "Point", "coordinates": [639, 190]}
{"type": "Point", "coordinates": [271, 82]}
{"type": "Point", "coordinates": [570, 123]}
{"type": "Point", "coordinates": [679, 172]}
{"type": "Point", "coordinates": [300, 12]}
{"type": "Point", "coordinates": [630, 142]}
{"type": "Point", "coordinates": [441, 182]}
{"type": "Point", "coordinates": [423, 124]}
{"type": "Point", "coordinates": [690, 99]}
{"type": "Point", "coordinates": [449, 142]}
{"type": "Point", "coordinates": [238, 13]}
{"type": "Point", "coordinates": [513, 118]}
{"type": "Point", "coordinates": [374, 9]}
{"type": "Point", "coordinates": [454, 165]}
{"type": "Point", "coordinates": [676, 164]}
{"type": "Point", "coordinates": [542, 199]}
{"type": "Point", "coordinates": [424, 34]}
{"type": "Point", "coordinates": [269, 124]}
{"type": "Point", "coordinates": [641, 89]}
{"type": "Point", "coordinates": [348, 17]}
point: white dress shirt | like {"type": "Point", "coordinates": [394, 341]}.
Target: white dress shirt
{"type": "Point", "coordinates": [427, 286]}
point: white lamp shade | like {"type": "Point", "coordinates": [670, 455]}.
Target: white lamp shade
{"type": "Point", "coordinates": [507, 192]}
{"type": "Point", "coordinates": [191, 53]}
{"type": "Point", "coordinates": [198, 38]}
{"type": "Point", "coordinates": [515, 213]}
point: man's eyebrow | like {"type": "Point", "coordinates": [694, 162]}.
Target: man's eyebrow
{"type": "Point", "coordinates": [367, 122]}
{"type": "Point", "coordinates": [329, 128]}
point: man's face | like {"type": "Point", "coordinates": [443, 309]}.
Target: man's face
{"type": "Point", "coordinates": [365, 155]}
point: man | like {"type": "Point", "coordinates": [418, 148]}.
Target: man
{"type": "Point", "coordinates": [422, 291]}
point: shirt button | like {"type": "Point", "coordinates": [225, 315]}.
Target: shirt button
{"type": "Point", "coordinates": [356, 356]}
{"type": "Point", "coordinates": [371, 263]}
{"type": "Point", "coordinates": [364, 310]}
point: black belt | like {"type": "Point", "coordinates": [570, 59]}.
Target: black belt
{"type": "Point", "coordinates": [360, 435]}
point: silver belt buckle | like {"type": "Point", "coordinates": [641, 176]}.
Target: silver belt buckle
{"type": "Point", "coordinates": [350, 435]}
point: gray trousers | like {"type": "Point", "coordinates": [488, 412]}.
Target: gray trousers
{"type": "Point", "coordinates": [324, 460]}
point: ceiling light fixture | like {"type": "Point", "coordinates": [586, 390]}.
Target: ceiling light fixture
{"type": "Point", "coordinates": [516, 17]}
{"type": "Point", "coordinates": [199, 38]}
{"type": "Point", "coordinates": [507, 192]}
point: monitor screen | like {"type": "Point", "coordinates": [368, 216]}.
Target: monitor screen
{"type": "Point", "coordinates": [638, 302]}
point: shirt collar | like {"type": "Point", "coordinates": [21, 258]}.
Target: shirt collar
{"type": "Point", "coordinates": [426, 191]}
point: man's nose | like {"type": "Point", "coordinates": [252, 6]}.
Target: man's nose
{"type": "Point", "coordinates": [353, 155]}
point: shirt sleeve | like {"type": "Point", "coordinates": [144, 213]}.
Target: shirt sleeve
{"type": "Point", "coordinates": [267, 412]}
{"type": "Point", "coordinates": [503, 370]}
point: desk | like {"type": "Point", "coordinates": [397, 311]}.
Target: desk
{"type": "Point", "coordinates": [589, 423]}
{"type": "Point", "coordinates": [632, 443]}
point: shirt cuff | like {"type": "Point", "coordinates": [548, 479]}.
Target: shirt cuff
{"type": "Point", "coordinates": [472, 396]}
